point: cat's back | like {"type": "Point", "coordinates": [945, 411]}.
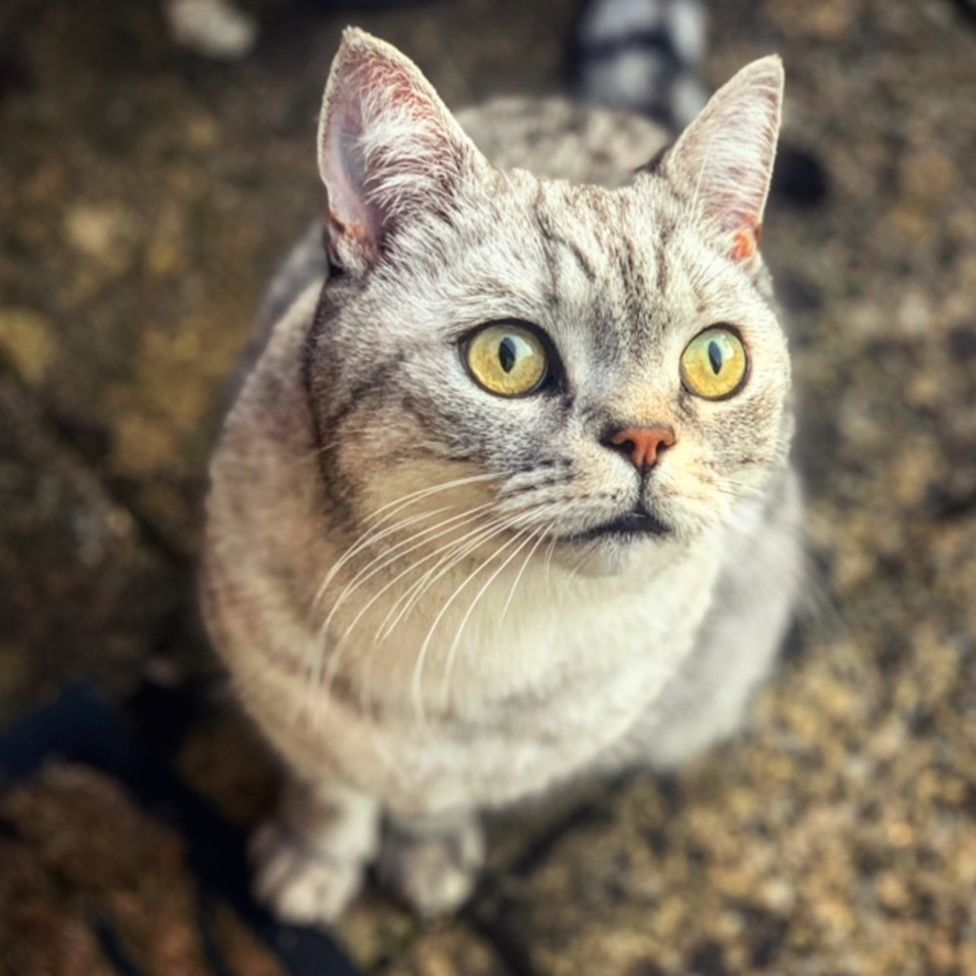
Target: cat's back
{"type": "Point", "coordinates": [557, 138]}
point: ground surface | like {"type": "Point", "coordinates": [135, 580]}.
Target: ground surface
{"type": "Point", "coordinates": [145, 195]}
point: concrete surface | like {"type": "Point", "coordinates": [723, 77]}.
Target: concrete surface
{"type": "Point", "coordinates": [145, 195]}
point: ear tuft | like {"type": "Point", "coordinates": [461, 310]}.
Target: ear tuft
{"type": "Point", "coordinates": [723, 161]}
{"type": "Point", "coordinates": [388, 148]}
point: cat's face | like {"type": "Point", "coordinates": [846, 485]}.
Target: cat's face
{"type": "Point", "coordinates": [599, 367]}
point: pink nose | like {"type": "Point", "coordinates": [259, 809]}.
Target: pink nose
{"type": "Point", "coordinates": [643, 444]}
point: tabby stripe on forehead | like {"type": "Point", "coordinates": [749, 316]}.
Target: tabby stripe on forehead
{"type": "Point", "coordinates": [636, 291]}
{"type": "Point", "coordinates": [542, 222]}
{"type": "Point", "coordinates": [663, 268]}
{"type": "Point", "coordinates": [586, 266]}
{"type": "Point", "coordinates": [551, 237]}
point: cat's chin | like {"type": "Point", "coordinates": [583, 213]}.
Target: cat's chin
{"type": "Point", "coordinates": [624, 529]}
{"type": "Point", "coordinates": [604, 557]}
{"type": "Point", "coordinates": [612, 547]}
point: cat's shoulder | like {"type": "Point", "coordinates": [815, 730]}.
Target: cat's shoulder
{"type": "Point", "coordinates": [558, 138]}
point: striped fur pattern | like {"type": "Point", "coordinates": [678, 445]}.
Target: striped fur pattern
{"type": "Point", "coordinates": [400, 568]}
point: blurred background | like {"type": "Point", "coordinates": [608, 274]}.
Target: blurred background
{"type": "Point", "coordinates": [150, 181]}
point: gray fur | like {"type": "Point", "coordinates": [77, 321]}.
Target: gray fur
{"type": "Point", "coordinates": [532, 657]}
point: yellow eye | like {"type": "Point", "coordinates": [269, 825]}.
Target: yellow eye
{"type": "Point", "coordinates": [507, 360]}
{"type": "Point", "coordinates": [713, 365]}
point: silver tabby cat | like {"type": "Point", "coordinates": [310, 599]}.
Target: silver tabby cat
{"type": "Point", "coordinates": [506, 498]}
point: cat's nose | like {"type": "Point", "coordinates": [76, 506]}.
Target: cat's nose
{"type": "Point", "coordinates": [643, 445]}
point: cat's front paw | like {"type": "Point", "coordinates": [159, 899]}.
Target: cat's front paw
{"type": "Point", "coordinates": [433, 874]}
{"type": "Point", "coordinates": [298, 882]}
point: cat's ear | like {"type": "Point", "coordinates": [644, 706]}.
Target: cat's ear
{"type": "Point", "coordinates": [388, 149]}
{"type": "Point", "coordinates": [723, 161]}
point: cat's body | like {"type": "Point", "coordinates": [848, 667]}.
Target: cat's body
{"type": "Point", "coordinates": [534, 653]}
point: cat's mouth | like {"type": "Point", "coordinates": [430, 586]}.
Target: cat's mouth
{"type": "Point", "coordinates": [624, 527]}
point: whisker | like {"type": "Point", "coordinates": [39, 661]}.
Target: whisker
{"type": "Point", "coordinates": [409, 598]}
{"type": "Point", "coordinates": [372, 535]}
{"type": "Point", "coordinates": [518, 578]}
{"type": "Point", "coordinates": [432, 490]}
{"type": "Point", "coordinates": [496, 530]}
{"type": "Point", "coordinates": [397, 505]}
{"type": "Point", "coordinates": [315, 678]}
{"type": "Point", "coordinates": [385, 559]}
{"type": "Point", "coordinates": [465, 517]}
{"type": "Point", "coordinates": [449, 663]}
{"type": "Point", "coordinates": [402, 548]}
{"type": "Point", "coordinates": [416, 684]}
{"type": "Point", "coordinates": [549, 553]}
{"type": "Point", "coordinates": [572, 575]}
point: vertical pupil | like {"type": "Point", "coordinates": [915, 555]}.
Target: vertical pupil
{"type": "Point", "coordinates": [506, 353]}
{"type": "Point", "coordinates": [715, 356]}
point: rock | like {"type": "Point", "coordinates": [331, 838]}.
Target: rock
{"type": "Point", "coordinates": [102, 232]}
{"type": "Point", "coordinates": [27, 342]}
{"type": "Point", "coordinates": [81, 835]}
{"type": "Point", "coordinates": [215, 28]}
{"type": "Point", "coordinates": [80, 590]}
{"type": "Point", "coordinates": [41, 931]}
{"type": "Point", "coordinates": [451, 951]}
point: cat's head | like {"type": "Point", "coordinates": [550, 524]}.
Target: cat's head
{"type": "Point", "coordinates": [599, 366]}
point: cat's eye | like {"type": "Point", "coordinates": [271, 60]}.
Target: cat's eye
{"type": "Point", "coordinates": [714, 364]}
{"type": "Point", "coordinates": [507, 360]}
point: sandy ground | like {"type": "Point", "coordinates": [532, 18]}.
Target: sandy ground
{"type": "Point", "coordinates": [145, 195]}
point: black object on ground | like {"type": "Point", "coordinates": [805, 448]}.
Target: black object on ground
{"type": "Point", "coordinates": [82, 727]}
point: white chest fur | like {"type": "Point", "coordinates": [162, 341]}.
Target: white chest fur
{"type": "Point", "coordinates": [540, 686]}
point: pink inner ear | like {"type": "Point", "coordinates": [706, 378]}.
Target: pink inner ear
{"type": "Point", "coordinates": [740, 161]}
{"type": "Point", "coordinates": [349, 207]}
{"type": "Point", "coordinates": [399, 89]}
{"type": "Point", "coordinates": [389, 150]}
{"type": "Point", "coordinates": [724, 159]}
{"type": "Point", "coordinates": [374, 93]}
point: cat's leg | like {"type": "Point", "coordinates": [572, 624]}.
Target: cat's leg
{"type": "Point", "coordinates": [310, 858]}
{"type": "Point", "coordinates": [432, 863]}
{"type": "Point", "coordinates": [754, 604]}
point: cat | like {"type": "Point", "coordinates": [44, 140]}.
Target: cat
{"type": "Point", "coordinates": [506, 498]}
{"type": "Point", "coordinates": [643, 55]}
